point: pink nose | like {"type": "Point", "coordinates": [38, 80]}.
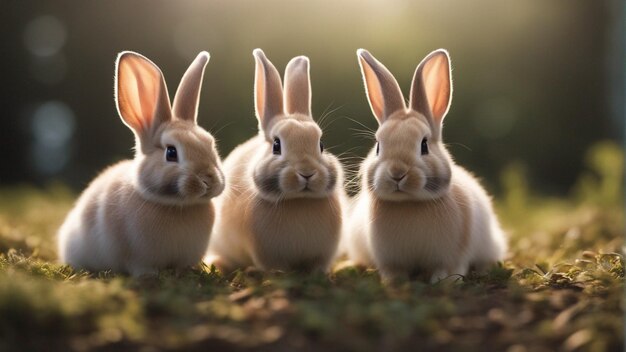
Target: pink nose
{"type": "Point", "coordinates": [398, 171]}
{"type": "Point", "coordinates": [398, 178]}
{"type": "Point", "coordinates": [307, 175]}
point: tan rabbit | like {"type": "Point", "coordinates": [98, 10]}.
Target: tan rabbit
{"type": "Point", "coordinates": [417, 210]}
{"type": "Point", "coordinates": [154, 211]}
{"type": "Point", "coordinates": [282, 208]}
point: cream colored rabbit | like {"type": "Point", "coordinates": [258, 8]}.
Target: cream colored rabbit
{"type": "Point", "coordinates": [282, 208]}
{"type": "Point", "coordinates": [417, 210]}
{"type": "Point", "coordinates": [154, 211]}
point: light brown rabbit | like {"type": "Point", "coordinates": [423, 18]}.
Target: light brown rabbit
{"type": "Point", "coordinates": [282, 208]}
{"type": "Point", "coordinates": [155, 211]}
{"type": "Point", "coordinates": [417, 210]}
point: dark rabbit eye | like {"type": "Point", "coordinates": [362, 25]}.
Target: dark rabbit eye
{"type": "Point", "coordinates": [171, 154]}
{"type": "Point", "coordinates": [276, 150]}
{"type": "Point", "coordinates": [377, 148]}
{"type": "Point", "coordinates": [321, 147]}
{"type": "Point", "coordinates": [424, 146]}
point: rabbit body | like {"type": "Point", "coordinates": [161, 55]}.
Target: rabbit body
{"type": "Point", "coordinates": [441, 237]}
{"type": "Point", "coordinates": [282, 208]}
{"type": "Point", "coordinates": [155, 211]}
{"type": "Point", "coordinates": [299, 233]}
{"type": "Point", "coordinates": [100, 233]}
{"type": "Point", "coordinates": [417, 211]}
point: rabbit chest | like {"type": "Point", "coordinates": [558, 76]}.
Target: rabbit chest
{"type": "Point", "coordinates": [419, 235]}
{"type": "Point", "coordinates": [176, 236]}
{"type": "Point", "coordinates": [163, 235]}
{"type": "Point", "coordinates": [296, 233]}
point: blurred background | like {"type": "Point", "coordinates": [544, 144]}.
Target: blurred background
{"type": "Point", "coordinates": [536, 83]}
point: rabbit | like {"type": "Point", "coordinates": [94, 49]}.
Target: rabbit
{"type": "Point", "coordinates": [282, 208]}
{"type": "Point", "coordinates": [417, 211]}
{"type": "Point", "coordinates": [155, 211]}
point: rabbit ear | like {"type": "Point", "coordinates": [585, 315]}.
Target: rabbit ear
{"type": "Point", "coordinates": [268, 90]}
{"type": "Point", "coordinates": [141, 94]}
{"type": "Point", "coordinates": [298, 86]}
{"type": "Point", "coordinates": [382, 89]}
{"type": "Point", "coordinates": [185, 105]}
{"type": "Point", "coordinates": [431, 90]}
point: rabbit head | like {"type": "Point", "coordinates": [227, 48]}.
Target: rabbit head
{"type": "Point", "coordinates": [292, 162]}
{"type": "Point", "coordinates": [409, 161]}
{"type": "Point", "coordinates": [176, 160]}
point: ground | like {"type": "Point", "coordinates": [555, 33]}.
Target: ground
{"type": "Point", "coordinates": [561, 288]}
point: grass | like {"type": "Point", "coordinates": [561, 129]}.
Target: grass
{"type": "Point", "coordinates": [560, 289]}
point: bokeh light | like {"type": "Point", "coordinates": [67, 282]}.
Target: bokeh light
{"type": "Point", "coordinates": [53, 125]}
{"type": "Point", "coordinates": [45, 36]}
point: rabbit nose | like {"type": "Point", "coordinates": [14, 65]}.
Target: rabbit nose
{"type": "Point", "coordinates": [398, 178]}
{"type": "Point", "coordinates": [307, 175]}
{"type": "Point", "coordinates": [397, 173]}
{"type": "Point", "coordinates": [206, 179]}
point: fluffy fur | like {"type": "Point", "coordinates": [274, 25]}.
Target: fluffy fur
{"type": "Point", "coordinates": [141, 215]}
{"type": "Point", "coordinates": [280, 210]}
{"type": "Point", "coordinates": [417, 211]}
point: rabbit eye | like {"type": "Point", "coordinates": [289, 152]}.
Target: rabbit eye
{"type": "Point", "coordinates": [424, 146]}
{"type": "Point", "coordinates": [276, 150]}
{"type": "Point", "coordinates": [171, 154]}
{"type": "Point", "coordinates": [377, 148]}
{"type": "Point", "coordinates": [321, 147]}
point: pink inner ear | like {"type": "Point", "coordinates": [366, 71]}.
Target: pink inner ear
{"type": "Point", "coordinates": [268, 90]}
{"type": "Point", "coordinates": [297, 91]}
{"type": "Point", "coordinates": [260, 90]}
{"type": "Point", "coordinates": [374, 91]}
{"type": "Point", "coordinates": [437, 85]}
{"type": "Point", "coordinates": [138, 91]}
{"type": "Point", "coordinates": [148, 102]}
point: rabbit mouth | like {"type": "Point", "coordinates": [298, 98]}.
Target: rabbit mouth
{"type": "Point", "coordinates": [308, 191]}
{"type": "Point", "coordinates": [401, 191]}
{"type": "Point", "coordinates": [175, 192]}
{"type": "Point", "coordinates": [186, 193]}
{"type": "Point", "coordinates": [206, 191]}
{"type": "Point", "coordinates": [396, 195]}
